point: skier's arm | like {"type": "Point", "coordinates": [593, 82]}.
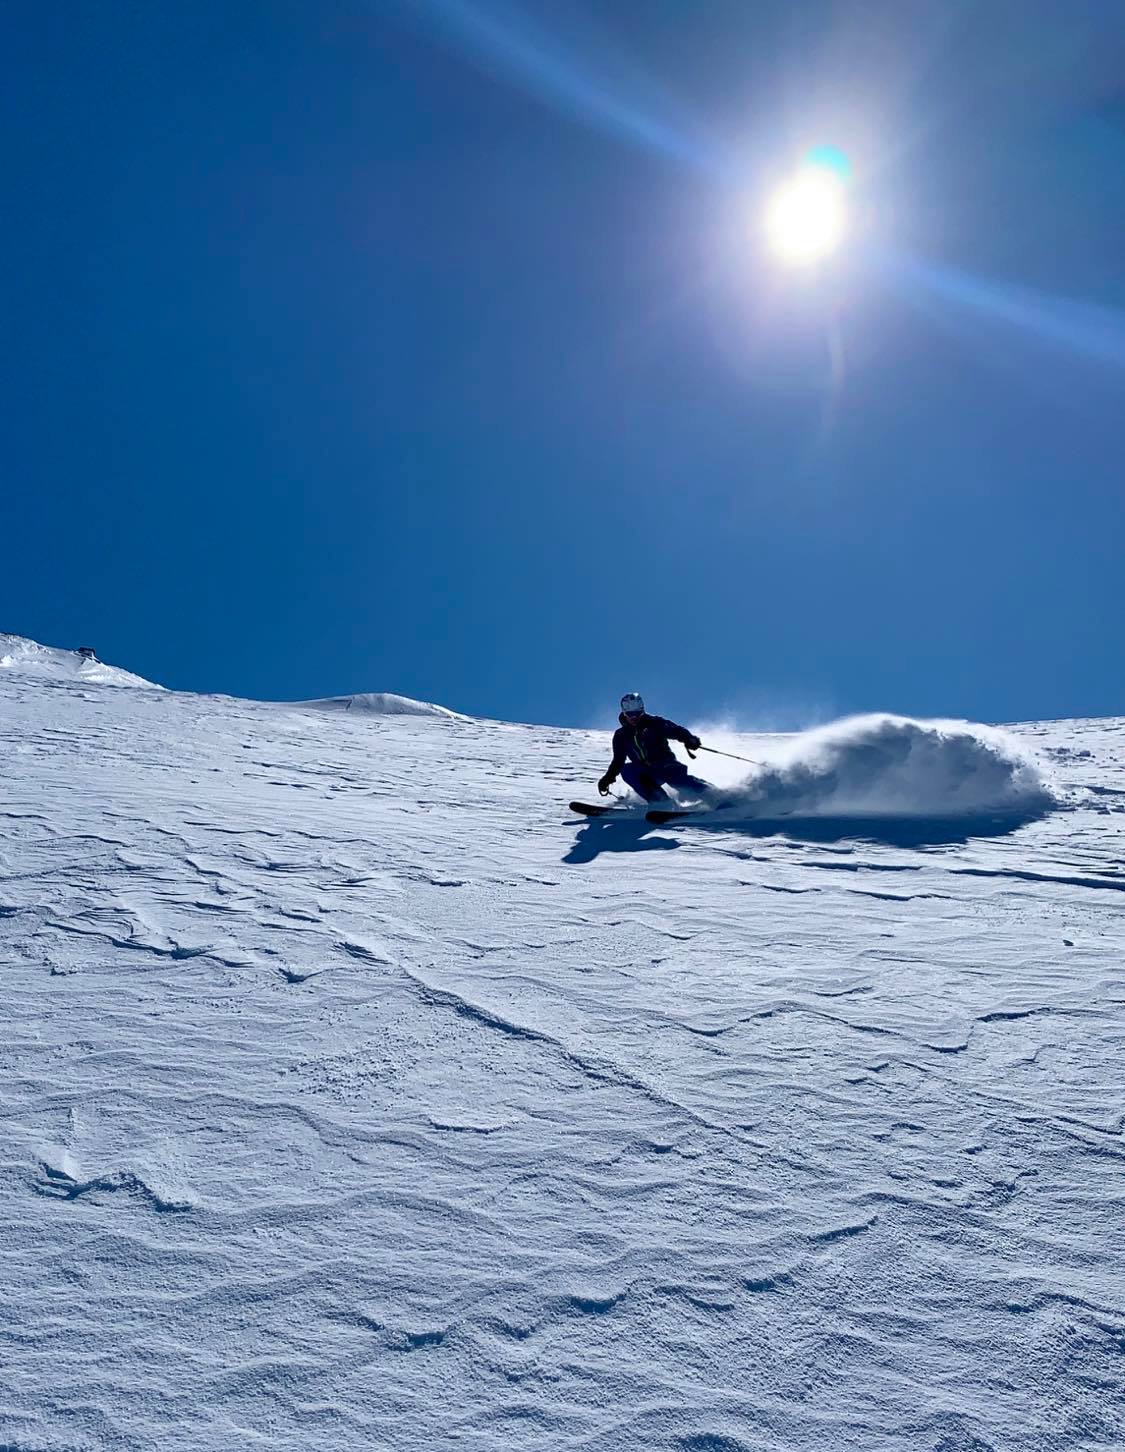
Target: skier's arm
{"type": "Point", "coordinates": [681, 733]}
{"type": "Point", "coordinates": [616, 764]}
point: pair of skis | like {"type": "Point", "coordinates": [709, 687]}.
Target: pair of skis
{"type": "Point", "coordinates": [657, 816]}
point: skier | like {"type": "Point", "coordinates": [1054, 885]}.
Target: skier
{"type": "Point", "coordinates": [643, 739]}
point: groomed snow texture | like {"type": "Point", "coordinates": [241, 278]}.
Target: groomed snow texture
{"type": "Point", "coordinates": [354, 1095]}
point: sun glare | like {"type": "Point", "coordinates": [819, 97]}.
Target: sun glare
{"type": "Point", "coordinates": [806, 219]}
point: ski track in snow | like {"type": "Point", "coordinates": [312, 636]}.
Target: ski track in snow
{"type": "Point", "coordinates": [352, 1094]}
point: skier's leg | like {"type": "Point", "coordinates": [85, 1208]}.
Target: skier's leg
{"type": "Point", "coordinates": [643, 782]}
{"type": "Point", "coordinates": [680, 779]}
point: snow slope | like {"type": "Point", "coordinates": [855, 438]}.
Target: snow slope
{"type": "Point", "coordinates": [354, 1095]}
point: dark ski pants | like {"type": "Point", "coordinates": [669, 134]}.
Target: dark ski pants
{"type": "Point", "coordinates": [649, 781]}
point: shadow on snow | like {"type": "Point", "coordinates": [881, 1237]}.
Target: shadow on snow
{"type": "Point", "coordinates": [603, 835]}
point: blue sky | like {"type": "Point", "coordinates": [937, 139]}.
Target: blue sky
{"type": "Point", "coordinates": [426, 346]}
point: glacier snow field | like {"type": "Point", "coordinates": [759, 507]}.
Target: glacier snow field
{"type": "Point", "coordinates": [355, 1095]}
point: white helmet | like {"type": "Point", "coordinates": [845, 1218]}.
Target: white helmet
{"type": "Point", "coordinates": [632, 704]}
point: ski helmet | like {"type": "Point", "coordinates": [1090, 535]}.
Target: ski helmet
{"type": "Point", "coordinates": [632, 704]}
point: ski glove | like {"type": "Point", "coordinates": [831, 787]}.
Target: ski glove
{"type": "Point", "coordinates": [693, 743]}
{"type": "Point", "coordinates": [604, 785]}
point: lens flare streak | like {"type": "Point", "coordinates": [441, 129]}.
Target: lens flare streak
{"type": "Point", "coordinates": [504, 40]}
{"type": "Point", "coordinates": [1095, 332]}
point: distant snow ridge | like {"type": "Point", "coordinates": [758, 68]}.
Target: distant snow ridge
{"type": "Point", "coordinates": [29, 658]}
{"type": "Point", "coordinates": [382, 703]}
{"type": "Point", "coordinates": [891, 766]}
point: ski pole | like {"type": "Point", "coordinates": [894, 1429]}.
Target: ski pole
{"type": "Point", "coordinates": [749, 760]}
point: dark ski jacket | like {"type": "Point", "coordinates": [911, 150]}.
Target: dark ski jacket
{"type": "Point", "coordinates": [645, 741]}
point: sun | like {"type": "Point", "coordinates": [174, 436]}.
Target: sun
{"type": "Point", "coordinates": [807, 218]}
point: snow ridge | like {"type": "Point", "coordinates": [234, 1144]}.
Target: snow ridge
{"type": "Point", "coordinates": [382, 703]}
{"type": "Point", "coordinates": [28, 657]}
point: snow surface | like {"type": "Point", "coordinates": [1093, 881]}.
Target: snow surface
{"type": "Point", "coordinates": [355, 1095]}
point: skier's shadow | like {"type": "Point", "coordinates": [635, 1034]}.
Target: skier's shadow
{"type": "Point", "coordinates": [916, 833]}
{"type": "Point", "coordinates": [600, 835]}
